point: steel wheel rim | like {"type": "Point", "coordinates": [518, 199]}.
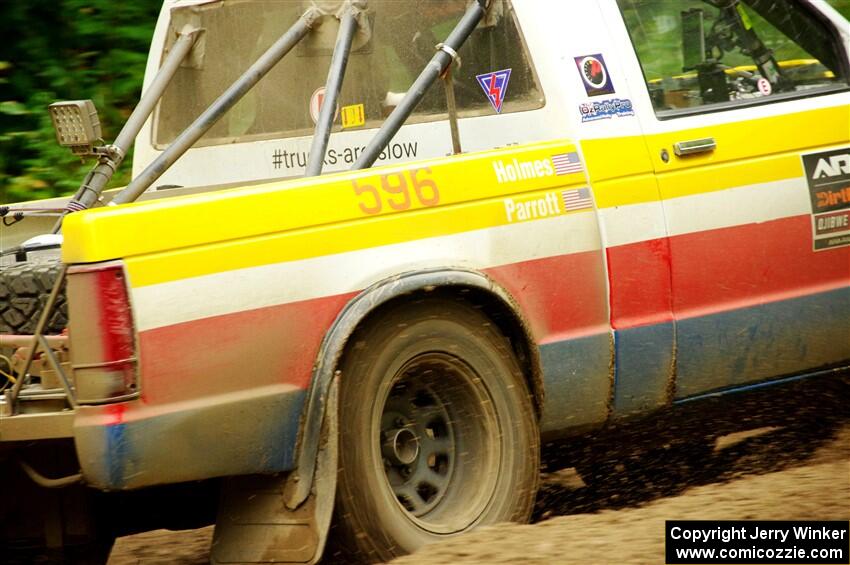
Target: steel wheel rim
{"type": "Point", "coordinates": [437, 440]}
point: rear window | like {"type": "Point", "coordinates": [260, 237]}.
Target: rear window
{"type": "Point", "coordinates": [382, 65]}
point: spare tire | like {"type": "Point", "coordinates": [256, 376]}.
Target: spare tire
{"type": "Point", "coordinates": [24, 289]}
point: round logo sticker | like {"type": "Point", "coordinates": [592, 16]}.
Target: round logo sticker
{"type": "Point", "coordinates": [316, 101]}
{"type": "Point", "coordinates": [593, 72]}
{"type": "Point", "coordinates": [764, 86]}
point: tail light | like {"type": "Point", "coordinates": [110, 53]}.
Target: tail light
{"type": "Point", "coordinates": [102, 337]}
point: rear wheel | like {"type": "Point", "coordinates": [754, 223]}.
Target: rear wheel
{"type": "Point", "coordinates": [437, 431]}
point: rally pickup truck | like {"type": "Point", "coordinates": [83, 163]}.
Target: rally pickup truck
{"type": "Point", "coordinates": [375, 253]}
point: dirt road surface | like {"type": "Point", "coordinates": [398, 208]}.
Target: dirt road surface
{"type": "Point", "coordinates": [775, 473]}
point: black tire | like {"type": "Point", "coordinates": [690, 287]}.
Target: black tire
{"type": "Point", "coordinates": [24, 289]}
{"type": "Point", "coordinates": [438, 433]}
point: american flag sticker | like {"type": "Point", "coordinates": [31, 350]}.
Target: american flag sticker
{"type": "Point", "coordinates": [578, 199]}
{"type": "Point", "coordinates": [566, 163]}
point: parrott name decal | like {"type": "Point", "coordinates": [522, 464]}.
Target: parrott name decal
{"type": "Point", "coordinates": [828, 178]}
{"type": "Point", "coordinates": [536, 207]}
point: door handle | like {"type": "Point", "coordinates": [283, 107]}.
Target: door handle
{"type": "Point", "coordinates": [694, 146]}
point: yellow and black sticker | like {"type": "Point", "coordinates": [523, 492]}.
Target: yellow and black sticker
{"type": "Point", "coordinates": [353, 116]}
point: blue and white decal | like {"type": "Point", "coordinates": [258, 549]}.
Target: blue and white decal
{"type": "Point", "coordinates": [495, 86]}
{"type": "Point", "coordinates": [605, 109]}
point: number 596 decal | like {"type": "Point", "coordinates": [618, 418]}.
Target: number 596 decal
{"type": "Point", "coordinates": [399, 191]}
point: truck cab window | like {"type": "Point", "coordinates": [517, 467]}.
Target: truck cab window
{"type": "Point", "coordinates": [704, 53]}
{"type": "Point", "coordinates": [400, 40]}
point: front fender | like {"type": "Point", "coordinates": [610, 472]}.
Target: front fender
{"type": "Point", "coordinates": [333, 346]}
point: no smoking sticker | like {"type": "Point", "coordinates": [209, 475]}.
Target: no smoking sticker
{"type": "Point", "coordinates": [764, 86]}
{"type": "Point", "coordinates": [316, 101]}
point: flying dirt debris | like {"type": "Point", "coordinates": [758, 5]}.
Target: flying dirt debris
{"type": "Point", "coordinates": [780, 473]}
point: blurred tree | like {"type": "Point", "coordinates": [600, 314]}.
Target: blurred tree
{"type": "Point", "coordinates": [65, 50]}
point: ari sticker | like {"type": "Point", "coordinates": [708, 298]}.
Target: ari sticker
{"type": "Point", "coordinates": [353, 116]}
{"type": "Point", "coordinates": [594, 75]}
{"type": "Point", "coordinates": [495, 86]}
{"type": "Point", "coordinates": [605, 109]}
{"type": "Point", "coordinates": [316, 101]}
{"type": "Point", "coordinates": [828, 177]}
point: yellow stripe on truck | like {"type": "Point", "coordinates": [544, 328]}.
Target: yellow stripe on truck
{"type": "Point", "coordinates": [187, 236]}
{"type": "Point", "coordinates": [788, 134]}
{"type": "Point", "coordinates": [185, 223]}
{"type": "Point", "coordinates": [340, 238]}
{"type": "Point", "coordinates": [779, 139]}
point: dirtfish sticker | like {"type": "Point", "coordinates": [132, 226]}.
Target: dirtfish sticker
{"type": "Point", "coordinates": [495, 86]}
{"type": "Point", "coordinates": [317, 100]}
{"type": "Point", "coordinates": [605, 109]}
{"type": "Point", "coordinates": [594, 75]}
{"type": "Point", "coordinates": [828, 177]}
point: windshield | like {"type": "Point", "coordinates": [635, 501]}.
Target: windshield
{"type": "Point", "coordinates": [385, 60]}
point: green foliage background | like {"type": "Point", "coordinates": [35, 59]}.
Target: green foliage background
{"type": "Point", "coordinates": [65, 50]}
{"type": "Point", "coordinates": [69, 50]}
{"type": "Point", "coordinates": [842, 6]}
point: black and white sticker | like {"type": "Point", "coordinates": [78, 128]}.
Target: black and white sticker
{"type": "Point", "coordinates": [828, 178]}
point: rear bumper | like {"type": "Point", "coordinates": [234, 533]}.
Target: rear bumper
{"type": "Point", "coordinates": [131, 444]}
{"type": "Point", "coordinates": [30, 427]}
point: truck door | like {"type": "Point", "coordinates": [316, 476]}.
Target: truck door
{"type": "Point", "coordinates": [749, 136]}
{"type": "Point", "coordinates": [630, 212]}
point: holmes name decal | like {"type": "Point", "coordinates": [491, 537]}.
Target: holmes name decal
{"type": "Point", "coordinates": [556, 165]}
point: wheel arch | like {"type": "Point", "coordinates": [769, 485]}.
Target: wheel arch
{"type": "Point", "coordinates": [470, 286]}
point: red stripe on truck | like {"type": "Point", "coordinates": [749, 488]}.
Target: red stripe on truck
{"type": "Point", "coordinates": [720, 270]}
{"type": "Point", "coordinates": [562, 297]}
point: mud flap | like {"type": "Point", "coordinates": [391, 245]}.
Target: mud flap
{"type": "Point", "coordinates": [254, 525]}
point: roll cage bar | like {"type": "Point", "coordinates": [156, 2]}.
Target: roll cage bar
{"type": "Point", "coordinates": [111, 156]}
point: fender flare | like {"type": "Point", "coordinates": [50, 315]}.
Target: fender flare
{"type": "Point", "coordinates": [333, 345]}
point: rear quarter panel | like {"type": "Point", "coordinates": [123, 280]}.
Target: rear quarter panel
{"type": "Point", "coordinates": [233, 293]}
